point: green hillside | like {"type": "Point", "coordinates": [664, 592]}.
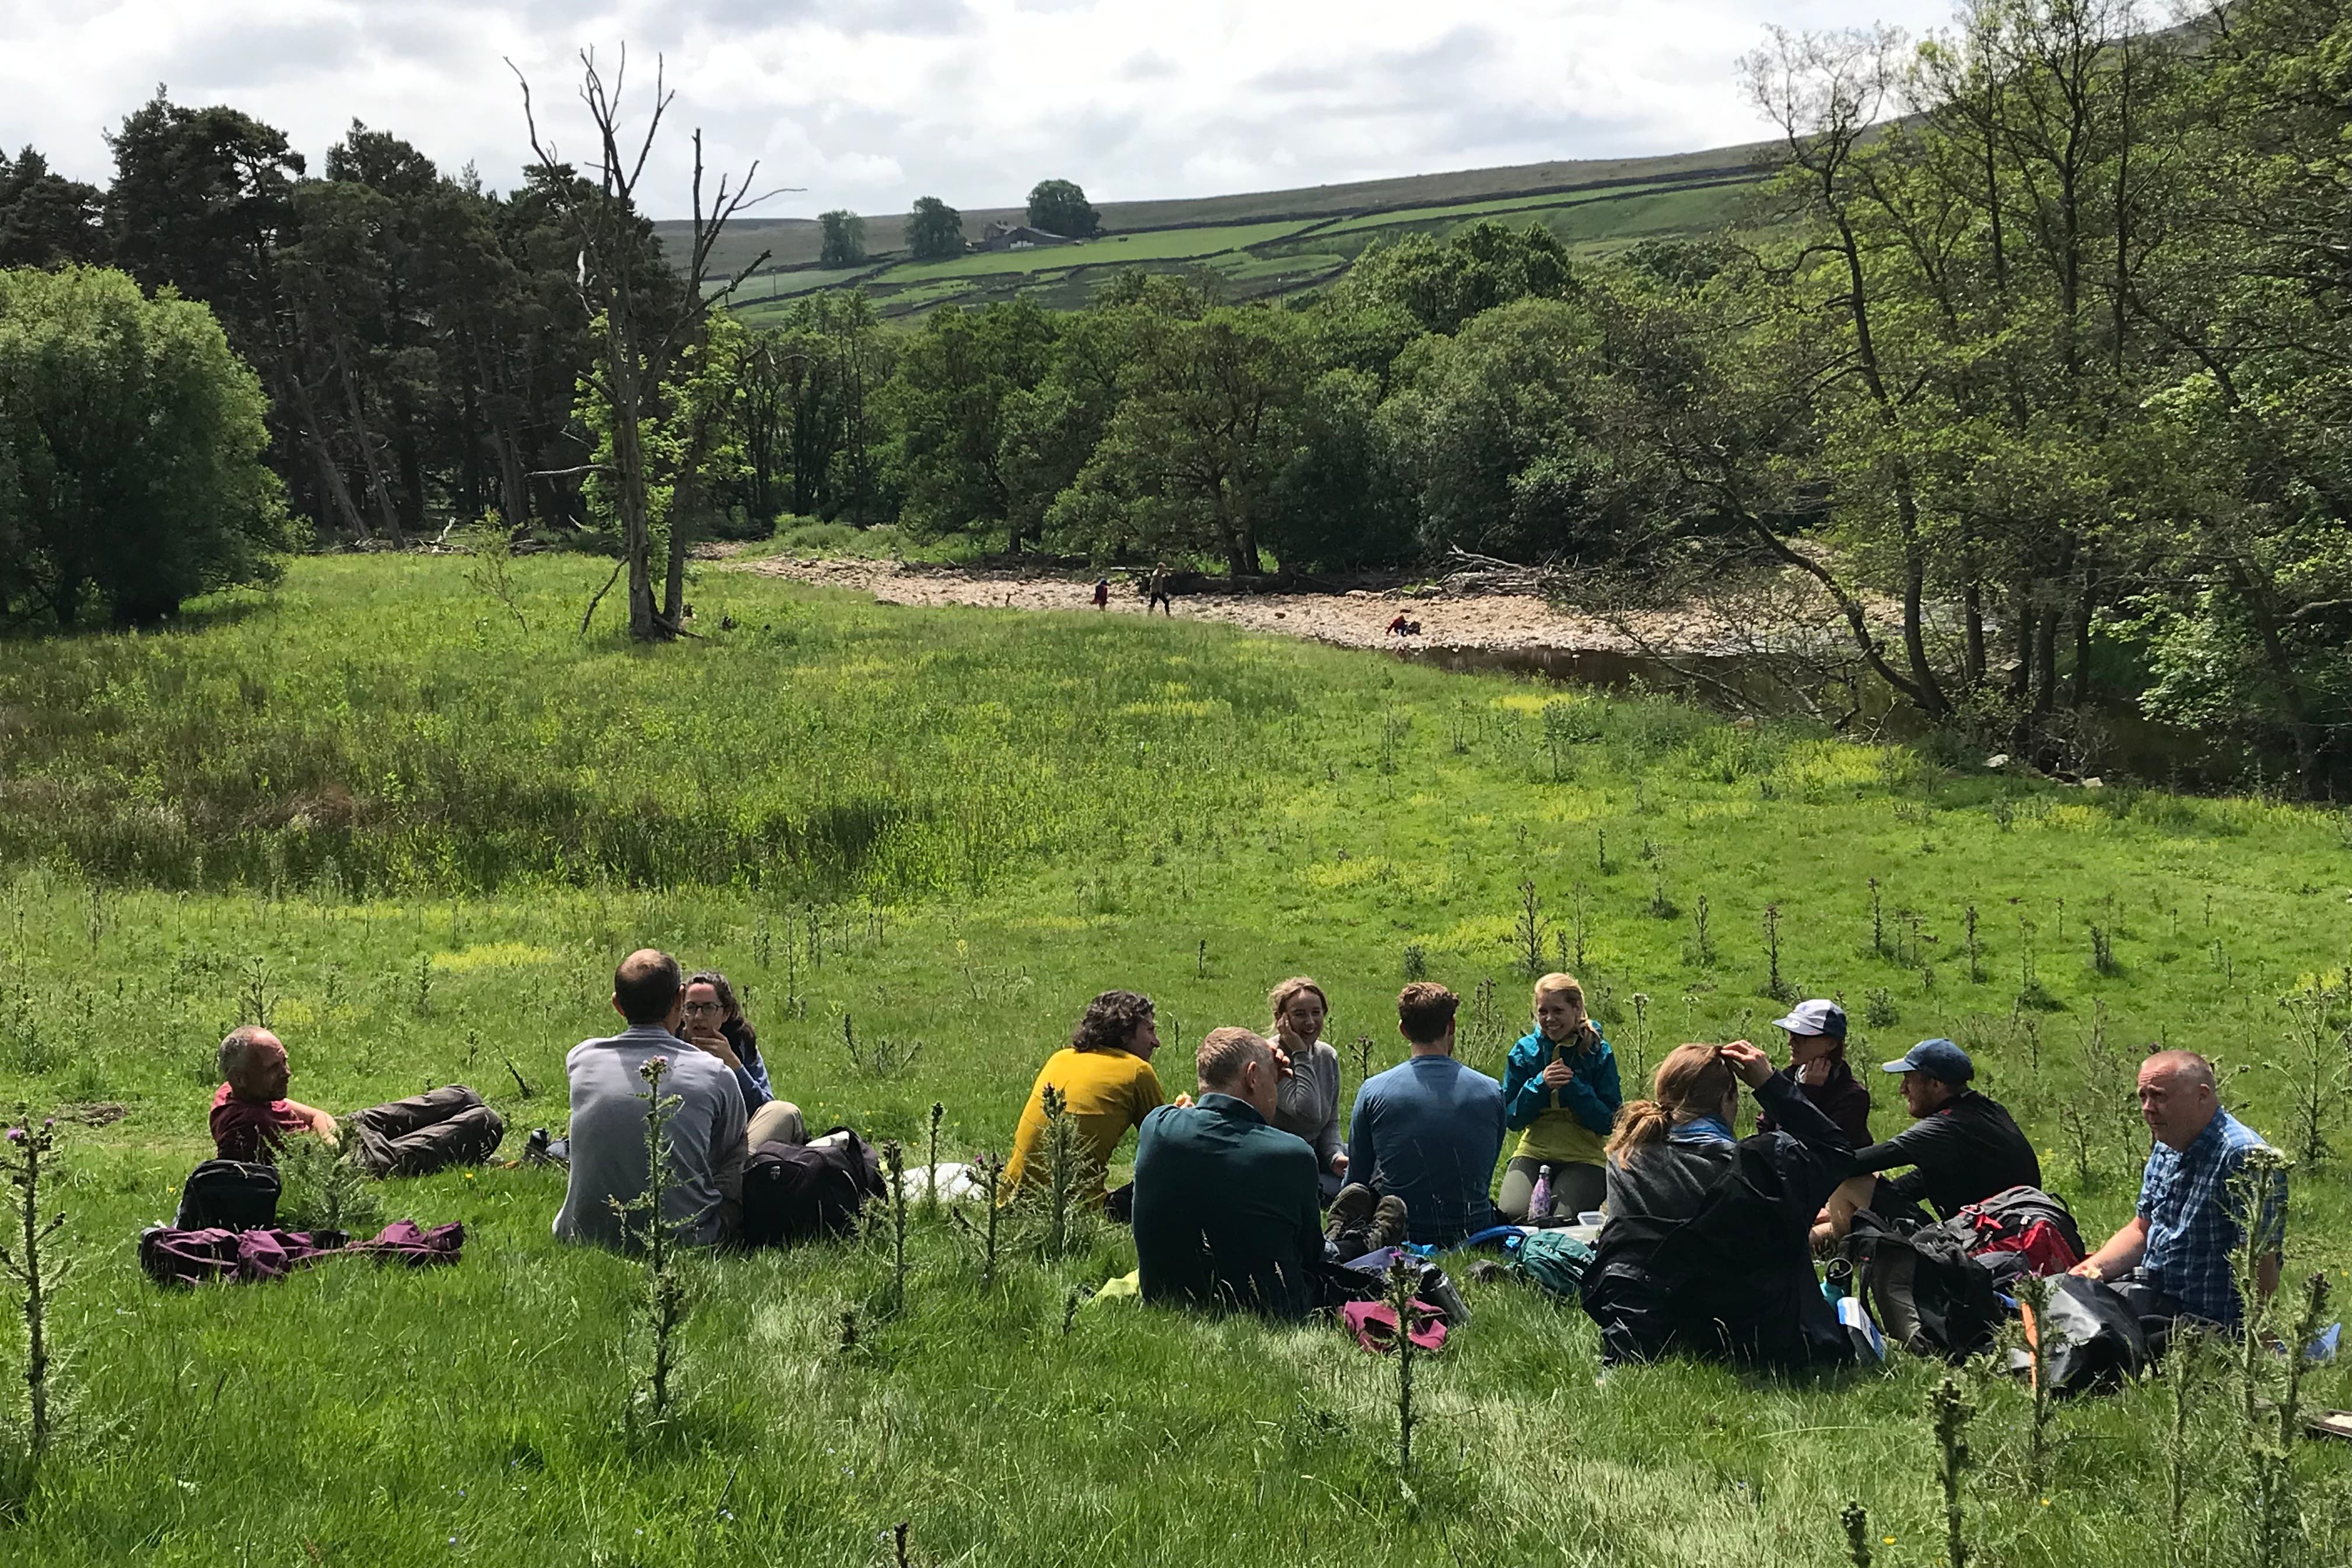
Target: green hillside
{"type": "Point", "coordinates": [1260, 244]}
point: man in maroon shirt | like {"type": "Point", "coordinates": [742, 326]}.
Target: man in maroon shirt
{"type": "Point", "coordinates": [251, 1115]}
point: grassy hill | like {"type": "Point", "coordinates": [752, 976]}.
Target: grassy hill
{"type": "Point", "coordinates": [414, 830]}
{"type": "Point", "coordinates": [1258, 245]}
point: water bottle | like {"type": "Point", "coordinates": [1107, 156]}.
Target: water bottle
{"type": "Point", "coordinates": [1539, 1201]}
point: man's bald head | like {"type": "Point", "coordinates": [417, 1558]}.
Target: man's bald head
{"type": "Point", "coordinates": [2185, 1068]}
{"type": "Point", "coordinates": [2178, 1097]}
{"type": "Point", "coordinates": [1240, 1063]}
{"type": "Point", "coordinates": [253, 1061]}
{"type": "Point", "coordinates": [646, 986]}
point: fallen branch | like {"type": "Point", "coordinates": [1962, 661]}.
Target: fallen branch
{"type": "Point", "coordinates": [599, 599]}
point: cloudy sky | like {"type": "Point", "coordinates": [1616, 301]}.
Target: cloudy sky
{"type": "Point", "coordinates": [870, 103]}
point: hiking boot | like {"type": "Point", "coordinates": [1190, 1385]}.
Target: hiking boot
{"type": "Point", "coordinates": [1387, 1228]}
{"type": "Point", "coordinates": [1352, 1210]}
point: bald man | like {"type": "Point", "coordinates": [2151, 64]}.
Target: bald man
{"type": "Point", "coordinates": [2173, 1261]}
{"type": "Point", "coordinates": [1226, 1204]}
{"type": "Point", "coordinates": [609, 1101]}
{"type": "Point", "coordinates": [251, 1116]}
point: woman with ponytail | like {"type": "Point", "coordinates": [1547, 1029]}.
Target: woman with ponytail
{"type": "Point", "coordinates": [1706, 1249]}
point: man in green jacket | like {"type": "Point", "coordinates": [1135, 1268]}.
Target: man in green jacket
{"type": "Point", "coordinates": [1226, 1210]}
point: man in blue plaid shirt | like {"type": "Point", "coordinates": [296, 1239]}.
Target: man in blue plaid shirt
{"type": "Point", "coordinates": [2173, 1261]}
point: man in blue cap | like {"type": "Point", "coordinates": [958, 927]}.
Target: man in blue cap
{"type": "Point", "coordinates": [1961, 1146]}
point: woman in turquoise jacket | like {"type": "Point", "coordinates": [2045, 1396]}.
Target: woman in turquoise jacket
{"type": "Point", "coordinates": [1561, 1091]}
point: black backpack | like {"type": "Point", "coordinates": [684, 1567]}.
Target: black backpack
{"type": "Point", "coordinates": [228, 1194]}
{"type": "Point", "coordinates": [2090, 1336]}
{"type": "Point", "coordinates": [1928, 1295]}
{"type": "Point", "coordinates": [796, 1192]}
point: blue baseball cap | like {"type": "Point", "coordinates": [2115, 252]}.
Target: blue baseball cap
{"type": "Point", "coordinates": [1938, 1060]}
{"type": "Point", "coordinates": [1814, 1018]}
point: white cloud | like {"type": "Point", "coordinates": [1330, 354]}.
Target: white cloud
{"type": "Point", "coordinates": [969, 99]}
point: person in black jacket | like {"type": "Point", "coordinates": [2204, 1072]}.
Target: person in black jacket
{"type": "Point", "coordinates": [1705, 1251]}
{"type": "Point", "coordinates": [1962, 1148]}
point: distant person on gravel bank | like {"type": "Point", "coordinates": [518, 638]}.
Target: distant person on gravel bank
{"type": "Point", "coordinates": [1105, 1078]}
{"type": "Point", "coordinates": [1561, 1092]}
{"type": "Point", "coordinates": [1705, 1249]}
{"type": "Point", "coordinates": [610, 1098]}
{"type": "Point", "coordinates": [252, 1118]}
{"type": "Point", "coordinates": [1102, 593]}
{"type": "Point", "coordinates": [1156, 595]}
{"type": "Point", "coordinates": [1429, 1130]}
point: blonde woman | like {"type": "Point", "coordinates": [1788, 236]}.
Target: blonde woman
{"type": "Point", "coordinates": [1706, 1249]}
{"type": "Point", "coordinates": [1306, 1099]}
{"type": "Point", "coordinates": [1560, 1095]}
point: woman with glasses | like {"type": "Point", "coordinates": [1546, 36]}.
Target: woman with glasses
{"type": "Point", "coordinates": [715, 1023]}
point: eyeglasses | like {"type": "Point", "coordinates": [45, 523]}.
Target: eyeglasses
{"type": "Point", "coordinates": [704, 1008]}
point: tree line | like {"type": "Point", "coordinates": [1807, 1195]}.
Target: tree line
{"type": "Point", "coordinates": [2019, 401]}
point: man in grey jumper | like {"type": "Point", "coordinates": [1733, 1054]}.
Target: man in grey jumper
{"type": "Point", "coordinates": [609, 1100]}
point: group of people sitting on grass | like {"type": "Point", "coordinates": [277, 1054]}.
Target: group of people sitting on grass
{"type": "Point", "coordinates": [1246, 1195]}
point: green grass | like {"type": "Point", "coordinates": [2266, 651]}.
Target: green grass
{"type": "Point", "coordinates": [420, 835]}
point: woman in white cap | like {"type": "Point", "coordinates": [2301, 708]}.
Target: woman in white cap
{"type": "Point", "coordinates": [1816, 1031]}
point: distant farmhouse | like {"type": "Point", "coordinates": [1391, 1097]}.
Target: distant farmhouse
{"type": "Point", "coordinates": [1002, 235]}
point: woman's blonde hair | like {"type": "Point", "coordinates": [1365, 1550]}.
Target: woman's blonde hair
{"type": "Point", "coordinates": [1558, 982]}
{"type": "Point", "coordinates": [1694, 1080]}
{"type": "Point", "coordinates": [1278, 1000]}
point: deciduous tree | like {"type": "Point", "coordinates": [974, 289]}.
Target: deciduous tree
{"type": "Point", "coordinates": [934, 230]}
{"type": "Point", "coordinates": [1060, 206]}
{"type": "Point", "coordinates": [131, 440]}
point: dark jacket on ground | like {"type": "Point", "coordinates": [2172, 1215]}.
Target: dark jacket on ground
{"type": "Point", "coordinates": [1842, 1100]}
{"type": "Point", "coordinates": [1961, 1154]}
{"type": "Point", "coordinates": [1226, 1210]}
{"type": "Point", "coordinates": [1706, 1250]}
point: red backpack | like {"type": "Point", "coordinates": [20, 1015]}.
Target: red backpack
{"type": "Point", "coordinates": [2022, 1220]}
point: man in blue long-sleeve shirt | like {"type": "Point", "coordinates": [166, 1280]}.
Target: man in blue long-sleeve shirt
{"type": "Point", "coordinates": [1429, 1130]}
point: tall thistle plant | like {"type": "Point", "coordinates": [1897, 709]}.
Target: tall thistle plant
{"type": "Point", "coordinates": [656, 1242]}
{"type": "Point", "coordinates": [30, 1261]}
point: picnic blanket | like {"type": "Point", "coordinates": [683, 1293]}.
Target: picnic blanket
{"type": "Point", "coordinates": [172, 1256]}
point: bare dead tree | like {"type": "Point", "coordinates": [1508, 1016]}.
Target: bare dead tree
{"type": "Point", "coordinates": [650, 312]}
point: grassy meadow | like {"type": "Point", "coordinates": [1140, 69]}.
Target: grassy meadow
{"type": "Point", "coordinates": [413, 825]}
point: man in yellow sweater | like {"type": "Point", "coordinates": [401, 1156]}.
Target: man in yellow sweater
{"type": "Point", "coordinates": [1107, 1086]}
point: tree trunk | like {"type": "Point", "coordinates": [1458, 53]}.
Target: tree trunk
{"type": "Point", "coordinates": [359, 432]}
{"type": "Point", "coordinates": [331, 475]}
{"type": "Point", "coordinates": [2084, 604]}
{"type": "Point", "coordinates": [1972, 602]}
{"type": "Point", "coordinates": [629, 475]}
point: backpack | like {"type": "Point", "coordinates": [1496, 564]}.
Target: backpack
{"type": "Point", "coordinates": [1928, 1294]}
{"type": "Point", "coordinates": [2025, 1221]}
{"type": "Point", "coordinates": [2090, 1337]}
{"type": "Point", "coordinates": [1554, 1262]}
{"type": "Point", "coordinates": [228, 1194]}
{"type": "Point", "coordinates": [795, 1192]}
